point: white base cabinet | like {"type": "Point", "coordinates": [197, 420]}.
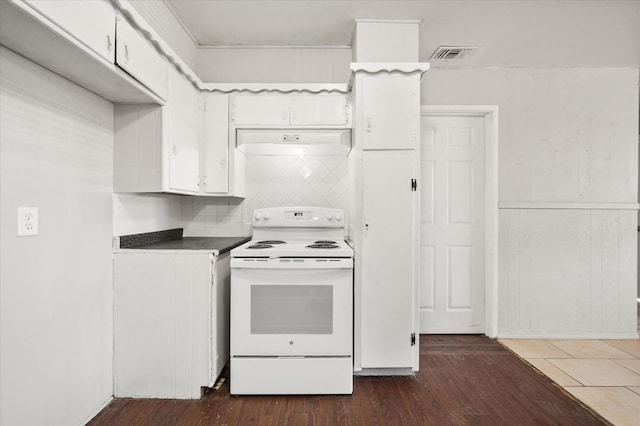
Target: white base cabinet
{"type": "Point", "coordinates": [171, 322]}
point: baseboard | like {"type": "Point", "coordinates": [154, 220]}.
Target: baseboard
{"type": "Point", "coordinates": [100, 408]}
{"type": "Point", "coordinates": [582, 336]}
{"type": "Point", "coordinates": [385, 372]}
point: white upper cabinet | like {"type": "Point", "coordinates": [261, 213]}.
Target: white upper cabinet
{"type": "Point", "coordinates": [259, 110]}
{"type": "Point", "coordinates": [91, 22]}
{"type": "Point", "coordinates": [391, 111]}
{"type": "Point", "coordinates": [139, 58]}
{"type": "Point", "coordinates": [88, 43]}
{"type": "Point", "coordinates": [183, 132]}
{"type": "Point", "coordinates": [320, 110]}
{"type": "Point", "coordinates": [157, 148]}
{"type": "Point", "coordinates": [214, 161]}
{"type": "Point", "coordinates": [221, 163]}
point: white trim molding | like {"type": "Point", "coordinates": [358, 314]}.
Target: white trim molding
{"type": "Point", "coordinates": [281, 88]}
{"type": "Point", "coordinates": [586, 336]}
{"type": "Point", "coordinates": [566, 205]}
{"type": "Point", "coordinates": [373, 68]}
{"type": "Point", "coordinates": [490, 114]}
{"type": "Point", "coordinates": [389, 67]}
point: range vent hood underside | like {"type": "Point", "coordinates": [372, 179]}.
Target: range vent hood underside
{"type": "Point", "coordinates": [294, 142]}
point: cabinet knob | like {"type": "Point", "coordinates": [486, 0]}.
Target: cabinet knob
{"type": "Point", "coordinates": [369, 125]}
{"type": "Point", "coordinates": [109, 43]}
{"type": "Point", "coordinates": [126, 52]}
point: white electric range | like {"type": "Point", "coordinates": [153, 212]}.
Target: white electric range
{"type": "Point", "coordinates": [292, 304]}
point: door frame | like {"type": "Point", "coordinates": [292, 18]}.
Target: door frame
{"type": "Point", "coordinates": [490, 115]}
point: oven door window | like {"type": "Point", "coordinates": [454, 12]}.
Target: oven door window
{"type": "Point", "coordinates": [291, 309]}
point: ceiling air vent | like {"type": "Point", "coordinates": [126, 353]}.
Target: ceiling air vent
{"type": "Point", "coordinates": [447, 53]}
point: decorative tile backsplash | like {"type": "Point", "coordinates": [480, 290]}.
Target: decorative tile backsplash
{"type": "Point", "coordinates": [212, 217]}
{"type": "Point", "coordinates": [271, 181]}
{"type": "Point", "coordinates": [294, 180]}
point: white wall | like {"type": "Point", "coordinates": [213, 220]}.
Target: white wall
{"type": "Point", "coordinates": [269, 65]}
{"type": "Point", "coordinates": [56, 335]}
{"type": "Point", "coordinates": [138, 213]}
{"type": "Point", "coordinates": [164, 22]}
{"type": "Point", "coordinates": [566, 136]}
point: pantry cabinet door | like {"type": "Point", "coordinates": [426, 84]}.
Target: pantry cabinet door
{"type": "Point", "coordinates": [90, 22]}
{"type": "Point", "coordinates": [320, 110]}
{"type": "Point", "coordinates": [389, 279]}
{"type": "Point", "coordinates": [259, 110]}
{"type": "Point", "coordinates": [183, 132]}
{"type": "Point", "coordinates": [391, 111]}
{"type": "Point", "coordinates": [139, 58]}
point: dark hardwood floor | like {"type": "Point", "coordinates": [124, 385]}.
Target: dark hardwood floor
{"type": "Point", "coordinates": [463, 380]}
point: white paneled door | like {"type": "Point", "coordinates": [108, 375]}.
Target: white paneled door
{"type": "Point", "coordinates": [452, 225]}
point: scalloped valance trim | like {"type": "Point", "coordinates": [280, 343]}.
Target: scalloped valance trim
{"type": "Point", "coordinates": [389, 67]}
{"type": "Point", "coordinates": [284, 88]}
{"type": "Point", "coordinates": [126, 9]}
{"type": "Point", "coordinates": [375, 68]}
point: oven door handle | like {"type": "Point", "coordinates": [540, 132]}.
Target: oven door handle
{"type": "Point", "coordinates": [284, 263]}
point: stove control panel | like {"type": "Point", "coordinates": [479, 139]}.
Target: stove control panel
{"type": "Point", "coordinates": [299, 215]}
{"type": "Point", "coordinates": [314, 217]}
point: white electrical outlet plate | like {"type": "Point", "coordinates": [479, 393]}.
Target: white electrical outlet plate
{"type": "Point", "coordinates": [27, 221]}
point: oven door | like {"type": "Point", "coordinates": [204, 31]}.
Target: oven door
{"type": "Point", "coordinates": [291, 307]}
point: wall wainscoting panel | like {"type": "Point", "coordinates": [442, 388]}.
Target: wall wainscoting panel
{"type": "Point", "coordinates": [567, 273]}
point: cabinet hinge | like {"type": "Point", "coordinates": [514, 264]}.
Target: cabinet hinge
{"type": "Point", "coordinates": [413, 339]}
{"type": "Point", "coordinates": [414, 185]}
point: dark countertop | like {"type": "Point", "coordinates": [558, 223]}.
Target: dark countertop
{"type": "Point", "coordinates": [172, 239]}
{"type": "Point", "coordinates": [219, 245]}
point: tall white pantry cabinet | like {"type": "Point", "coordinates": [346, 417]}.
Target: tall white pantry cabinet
{"type": "Point", "coordinates": [385, 171]}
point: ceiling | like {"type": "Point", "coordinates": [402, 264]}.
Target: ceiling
{"type": "Point", "coordinates": [600, 33]}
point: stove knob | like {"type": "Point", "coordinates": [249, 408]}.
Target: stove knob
{"type": "Point", "coordinates": [330, 216]}
{"type": "Point", "coordinates": [266, 215]}
{"type": "Point", "coordinates": [338, 217]}
{"type": "Point", "coordinates": [258, 216]}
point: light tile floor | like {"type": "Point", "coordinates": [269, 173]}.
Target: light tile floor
{"type": "Point", "coordinates": [603, 374]}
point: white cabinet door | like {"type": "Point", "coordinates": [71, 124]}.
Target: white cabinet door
{"type": "Point", "coordinates": [162, 324]}
{"type": "Point", "coordinates": [391, 111]}
{"type": "Point", "coordinates": [215, 147]}
{"type": "Point", "coordinates": [320, 110]}
{"type": "Point", "coordinates": [183, 132]}
{"type": "Point", "coordinates": [221, 300]}
{"type": "Point", "coordinates": [139, 58]}
{"type": "Point", "coordinates": [90, 22]}
{"type": "Point", "coordinates": [452, 225]}
{"type": "Point", "coordinates": [258, 110]}
{"type": "Point", "coordinates": [388, 278]}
